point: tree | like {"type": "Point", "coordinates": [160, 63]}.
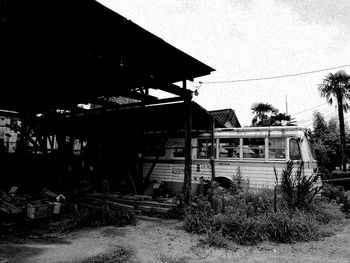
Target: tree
{"type": "Point", "coordinates": [268, 115]}
{"type": "Point", "coordinates": [337, 86]}
{"type": "Point", "coordinates": [262, 112]}
{"type": "Point", "coordinates": [281, 119]}
{"type": "Point", "coordinates": [325, 139]}
{"type": "Point", "coordinates": [319, 126]}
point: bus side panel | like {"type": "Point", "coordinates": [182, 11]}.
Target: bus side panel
{"type": "Point", "coordinates": [171, 172]}
{"type": "Point", "coordinates": [259, 174]}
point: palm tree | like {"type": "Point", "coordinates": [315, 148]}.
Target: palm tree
{"type": "Point", "coordinates": [337, 86]}
{"type": "Point", "coordinates": [281, 119]}
{"type": "Point", "coordinates": [261, 110]}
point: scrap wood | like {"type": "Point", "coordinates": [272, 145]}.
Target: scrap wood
{"type": "Point", "coordinates": [102, 195]}
{"type": "Point", "coordinates": [114, 198]}
{"type": "Point", "coordinates": [156, 204]}
{"type": "Point", "coordinates": [13, 190]}
{"type": "Point", "coordinates": [100, 201]}
{"type": "Point", "coordinates": [4, 196]}
{"type": "Point", "coordinates": [6, 204]}
{"type": "Point", "coordinates": [49, 193]}
{"type": "Point", "coordinates": [9, 208]}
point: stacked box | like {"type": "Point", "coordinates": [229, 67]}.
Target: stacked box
{"type": "Point", "coordinates": [40, 210]}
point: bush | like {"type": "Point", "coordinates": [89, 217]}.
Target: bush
{"type": "Point", "coordinates": [326, 212]}
{"type": "Point", "coordinates": [247, 217]}
{"type": "Point", "coordinates": [299, 190]}
{"type": "Point", "coordinates": [250, 219]}
{"type": "Point", "coordinates": [238, 183]}
{"type": "Point", "coordinates": [338, 195]}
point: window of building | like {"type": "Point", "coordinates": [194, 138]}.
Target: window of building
{"type": "Point", "coordinates": [204, 149]}
{"type": "Point", "coordinates": [229, 148]}
{"type": "Point", "coordinates": [77, 147]}
{"type": "Point", "coordinates": [294, 150]}
{"type": "Point", "coordinates": [277, 148]}
{"type": "Point", "coordinates": [254, 148]}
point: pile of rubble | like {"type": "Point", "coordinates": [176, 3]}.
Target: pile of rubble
{"type": "Point", "coordinates": [8, 204]}
{"type": "Point", "coordinates": [60, 214]}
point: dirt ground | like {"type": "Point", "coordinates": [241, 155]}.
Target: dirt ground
{"type": "Point", "coordinates": [156, 240]}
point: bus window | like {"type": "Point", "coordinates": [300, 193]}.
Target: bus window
{"type": "Point", "coordinates": [150, 151]}
{"type": "Point", "coordinates": [229, 148]}
{"type": "Point", "coordinates": [154, 147]}
{"type": "Point", "coordinates": [179, 152]}
{"type": "Point", "coordinates": [294, 150]}
{"type": "Point", "coordinates": [254, 148]}
{"type": "Point", "coordinates": [204, 149]}
{"type": "Point", "coordinates": [277, 148]}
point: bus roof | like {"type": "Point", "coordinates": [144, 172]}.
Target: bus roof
{"type": "Point", "coordinates": [255, 129]}
{"type": "Point", "coordinates": [275, 131]}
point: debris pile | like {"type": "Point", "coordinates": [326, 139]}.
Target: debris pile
{"type": "Point", "coordinates": [140, 204]}
{"type": "Point", "coordinates": [56, 214]}
{"type": "Point", "coordinates": [8, 204]}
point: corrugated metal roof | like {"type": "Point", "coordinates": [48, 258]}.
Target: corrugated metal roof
{"type": "Point", "coordinates": [61, 53]}
{"type": "Point", "coordinates": [226, 115]}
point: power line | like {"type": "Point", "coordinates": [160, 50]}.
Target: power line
{"type": "Point", "coordinates": [272, 77]}
{"type": "Point", "coordinates": [328, 115]}
{"type": "Point", "coordinates": [309, 109]}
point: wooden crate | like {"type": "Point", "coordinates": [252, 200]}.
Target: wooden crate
{"type": "Point", "coordinates": [39, 210]}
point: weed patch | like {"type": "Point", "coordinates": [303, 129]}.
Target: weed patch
{"type": "Point", "coordinates": [249, 217]}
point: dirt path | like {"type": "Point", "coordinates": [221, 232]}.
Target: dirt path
{"type": "Point", "coordinates": [155, 240]}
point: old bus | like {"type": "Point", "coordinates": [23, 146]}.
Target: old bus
{"type": "Point", "coordinates": [253, 152]}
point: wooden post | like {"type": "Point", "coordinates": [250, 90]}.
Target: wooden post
{"type": "Point", "coordinates": [140, 147]}
{"type": "Point", "coordinates": [212, 157]}
{"type": "Point", "coordinates": [188, 148]}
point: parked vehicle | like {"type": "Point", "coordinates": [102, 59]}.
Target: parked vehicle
{"type": "Point", "coordinates": [253, 152]}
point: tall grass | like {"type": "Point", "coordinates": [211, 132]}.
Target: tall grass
{"type": "Point", "coordinates": [246, 217]}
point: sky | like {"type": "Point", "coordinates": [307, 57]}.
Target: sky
{"type": "Point", "coordinates": [245, 39]}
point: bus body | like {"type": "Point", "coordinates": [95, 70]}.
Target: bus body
{"type": "Point", "coordinates": [253, 152]}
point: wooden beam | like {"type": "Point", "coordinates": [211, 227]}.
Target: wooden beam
{"type": "Point", "coordinates": [188, 150]}
{"type": "Point", "coordinates": [140, 186]}
{"type": "Point", "coordinates": [155, 161]}
{"type": "Point", "coordinates": [212, 157]}
{"type": "Point", "coordinates": [174, 89]}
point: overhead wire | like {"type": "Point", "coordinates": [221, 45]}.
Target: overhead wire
{"type": "Point", "coordinates": [308, 109]}
{"type": "Point", "coordinates": [328, 115]}
{"type": "Point", "coordinates": [270, 77]}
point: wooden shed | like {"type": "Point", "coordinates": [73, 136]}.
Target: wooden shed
{"type": "Point", "coordinates": [56, 55]}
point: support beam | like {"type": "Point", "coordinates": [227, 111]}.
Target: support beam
{"type": "Point", "coordinates": [212, 157]}
{"type": "Point", "coordinates": [140, 146]}
{"type": "Point", "coordinates": [155, 161]}
{"type": "Point", "coordinates": [174, 89]}
{"type": "Point", "coordinates": [188, 149]}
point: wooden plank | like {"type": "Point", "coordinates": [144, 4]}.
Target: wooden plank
{"type": "Point", "coordinates": [155, 204]}
{"type": "Point", "coordinates": [160, 209]}
{"type": "Point", "coordinates": [100, 201]}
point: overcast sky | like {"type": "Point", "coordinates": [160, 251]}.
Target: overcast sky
{"type": "Point", "coordinates": [244, 39]}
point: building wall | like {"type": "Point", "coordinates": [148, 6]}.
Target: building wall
{"type": "Point", "coordinates": [8, 138]}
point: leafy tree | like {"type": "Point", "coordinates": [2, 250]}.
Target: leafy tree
{"type": "Point", "coordinates": [324, 137]}
{"type": "Point", "coordinates": [280, 118]}
{"type": "Point", "coordinates": [337, 87]}
{"type": "Point", "coordinates": [319, 125]}
{"type": "Point", "coordinates": [262, 112]}
{"type": "Point", "coordinates": [268, 115]}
